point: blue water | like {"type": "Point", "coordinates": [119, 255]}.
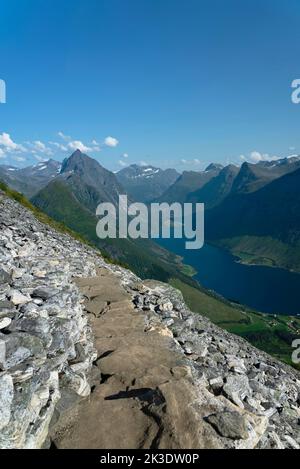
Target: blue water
{"type": "Point", "coordinates": [267, 289]}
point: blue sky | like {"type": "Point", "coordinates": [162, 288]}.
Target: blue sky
{"type": "Point", "coordinates": [173, 83]}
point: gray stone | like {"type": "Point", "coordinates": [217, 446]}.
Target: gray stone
{"type": "Point", "coordinates": [44, 292]}
{"type": "Point", "coordinates": [237, 365]}
{"type": "Point", "coordinates": [164, 305]}
{"type": "Point", "coordinates": [292, 442]}
{"type": "Point", "coordinates": [7, 305]}
{"type": "Point", "coordinates": [216, 383]}
{"type": "Point", "coordinates": [22, 374]}
{"type": "Point", "coordinates": [4, 322]}
{"type": "Point", "coordinates": [2, 353]}
{"type": "Point", "coordinates": [19, 347]}
{"type": "Point", "coordinates": [229, 425]}
{"type": "Point", "coordinates": [76, 382]}
{"type": "Point", "coordinates": [61, 344]}
{"type": "Point", "coordinates": [38, 326]}
{"type": "Point", "coordinates": [6, 398]}
{"type": "Point", "coordinates": [237, 385]}
{"type": "Point", "coordinates": [17, 298]}
{"type": "Point", "coordinates": [4, 276]}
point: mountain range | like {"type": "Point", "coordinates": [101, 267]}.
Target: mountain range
{"type": "Point", "coordinates": [71, 197]}
{"type": "Point", "coordinates": [145, 183]}
{"type": "Point", "coordinates": [252, 210]}
{"type": "Point", "coordinates": [31, 179]}
{"type": "Point", "coordinates": [216, 189]}
{"type": "Point", "coordinates": [252, 177]}
{"type": "Point", "coordinates": [188, 182]}
{"type": "Point", "coordinates": [216, 182]}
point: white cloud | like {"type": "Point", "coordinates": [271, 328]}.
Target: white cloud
{"type": "Point", "coordinates": [40, 158]}
{"type": "Point", "coordinates": [111, 142]}
{"type": "Point", "coordinates": [122, 163]}
{"type": "Point", "coordinates": [78, 145]}
{"type": "Point", "coordinates": [144, 163]}
{"type": "Point", "coordinates": [292, 148]}
{"type": "Point", "coordinates": [256, 157]}
{"type": "Point", "coordinates": [59, 146]}
{"type": "Point", "coordinates": [96, 148]}
{"type": "Point", "coordinates": [66, 138]}
{"type": "Point", "coordinates": [8, 144]}
{"type": "Point", "coordinates": [40, 147]}
{"type": "Point", "coordinates": [193, 162]}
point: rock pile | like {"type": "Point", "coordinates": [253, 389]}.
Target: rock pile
{"type": "Point", "coordinates": [228, 366]}
{"type": "Point", "coordinates": [45, 341]}
{"type": "Point", "coordinates": [47, 350]}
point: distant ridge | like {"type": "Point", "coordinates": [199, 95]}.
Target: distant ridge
{"type": "Point", "coordinates": [31, 179]}
{"type": "Point", "coordinates": [217, 188]}
{"type": "Point", "coordinates": [188, 182]}
{"type": "Point", "coordinates": [145, 183]}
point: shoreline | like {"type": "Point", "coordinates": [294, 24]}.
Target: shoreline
{"type": "Point", "coordinates": [239, 260]}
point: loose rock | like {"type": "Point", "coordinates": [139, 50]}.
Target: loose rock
{"type": "Point", "coordinates": [229, 424]}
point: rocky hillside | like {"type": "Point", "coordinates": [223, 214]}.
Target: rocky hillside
{"type": "Point", "coordinates": [91, 356]}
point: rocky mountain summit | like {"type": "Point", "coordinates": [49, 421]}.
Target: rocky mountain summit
{"type": "Point", "coordinates": [92, 357]}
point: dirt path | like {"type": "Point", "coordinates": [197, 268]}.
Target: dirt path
{"type": "Point", "coordinates": [144, 397]}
